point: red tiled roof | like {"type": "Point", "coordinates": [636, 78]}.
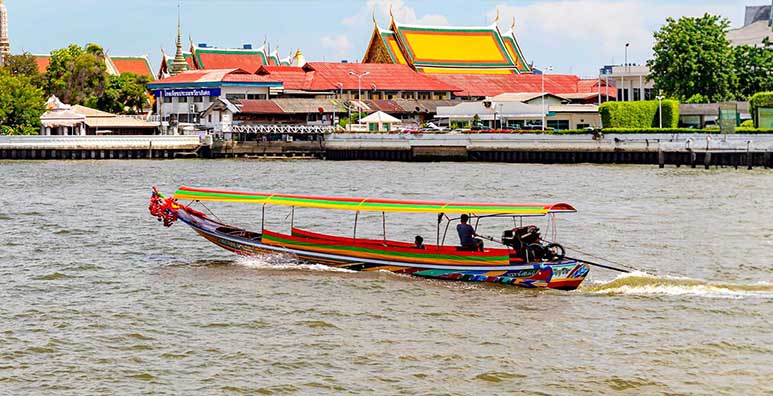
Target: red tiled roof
{"type": "Point", "coordinates": [249, 60]}
{"type": "Point", "coordinates": [132, 64]}
{"type": "Point", "coordinates": [292, 77]}
{"type": "Point", "coordinates": [43, 61]}
{"type": "Point", "coordinates": [219, 75]}
{"type": "Point", "coordinates": [385, 77]}
{"type": "Point", "coordinates": [259, 107]}
{"type": "Point", "coordinates": [495, 84]}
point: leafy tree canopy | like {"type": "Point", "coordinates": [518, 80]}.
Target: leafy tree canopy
{"type": "Point", "coordinates": [77, 75]}
{"type": "Point", "coordinates": [21, 104]}
{"type": "Point", "coordinates": [124, 94]}
{"type": "Point", "coordinates": [693, 56]}
{"type": "Point", "coordinates": [24, 65]}
{"type": "Point", "coordinates": [754, 68]}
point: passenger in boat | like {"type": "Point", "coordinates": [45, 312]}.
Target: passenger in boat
{"type": "Point", "coordinates": [467, 234]}
{"type": "Point", "coordinates": [419, 242]}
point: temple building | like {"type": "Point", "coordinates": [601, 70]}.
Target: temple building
{"type": "Point", "coordinates": [480, 62]}
{"type": "Point", "coordinates": [5, 43]}
{"type": "Point", "coordinates": [205, 57]}
{"type": "Point", "coordinates": [448, 50]}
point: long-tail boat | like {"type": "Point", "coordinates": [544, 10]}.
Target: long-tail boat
{"type": "Point", "coordinates": [524, 258]}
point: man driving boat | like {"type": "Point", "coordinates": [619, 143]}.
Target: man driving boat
{"type": "Point", "coordinates": [467, 234]}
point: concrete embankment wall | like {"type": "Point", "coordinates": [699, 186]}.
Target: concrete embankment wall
{"type": "Point", "coordinates": [97, 147]}
{"type": "Point", "coordinates": [691, 150]}
{"type": "Point", "coordinates": [698, 149]}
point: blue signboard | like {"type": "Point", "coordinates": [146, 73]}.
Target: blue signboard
{"type": "Point", "coordinates": [185, 93]}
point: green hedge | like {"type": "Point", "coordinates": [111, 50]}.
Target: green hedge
{"type": "Point", "coordinates": [740, 130]}
{"type": "Point", "coordinates": [641, 114]}
{"type": "Point", "coordinates": [760, 99]}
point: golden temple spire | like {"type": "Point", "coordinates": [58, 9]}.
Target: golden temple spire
{"type": "Point", "coordinates": [512, 26]}
{"type": "Point", "coordinates": [374, 18]}
{"type": "Point", "coordinates": [179, 64]}
{"type": "Point", "coordinates": [496, 18]}
{"type": "Point", "coordinates": [391, 15]}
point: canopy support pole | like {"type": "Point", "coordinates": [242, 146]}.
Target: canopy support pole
{"type": "Point", "coordinates": [383, 224]}
{"type": "Point", "coordinates": [292, 219]}
{"type": "Point", "coordinates": [263, 219]}
{"type": "Point", "coordinates": [356, 217]}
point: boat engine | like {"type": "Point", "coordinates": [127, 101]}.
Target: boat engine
{"type": "Point", "coordinates": [529, 246]}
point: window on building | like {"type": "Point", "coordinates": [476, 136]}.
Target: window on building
{"type": "Point", "coordinates": [440, 95]}
{"type": "Point", "coordinates": [209, 118]}
{"type": "Point", "coordinates": [425, 96]}
{"type": "Point", "coordinates": [636, 94]}
{"type": "Point", "coordinates": [235, 96]}
{"type": "Point", "coordinates": [558, 124]}
{"type": "Point", "coordinates": [257, 96]}
{"type": "Point", "coordinates": [168, 99]}
{"type": "Point", "coordinates": [408, 95]}
{"type": "Point", "coordinates": [648, 94]}
{"type": "Point", "coordinates": [198, 99]}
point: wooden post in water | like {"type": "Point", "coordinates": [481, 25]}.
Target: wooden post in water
{"type": "Point", "coordinates": [661, 157]}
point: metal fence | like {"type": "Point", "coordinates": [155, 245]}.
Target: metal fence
{"type": "Point", "coordinates": [284, 129]}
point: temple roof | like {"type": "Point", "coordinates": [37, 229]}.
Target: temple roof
{"type": "Point", "coordinates": [139, 65]}
{"type": "Point", "coordinates": [448, 49]}
{"type": "Point", "coordinates": [220, 58]}
{"type": "Point", "coordinates": [479, 47]}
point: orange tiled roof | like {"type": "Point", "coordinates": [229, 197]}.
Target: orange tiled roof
{"type": "Point", "coordinates": [139, 65]}
{"type": "Point", "coordinates": [218, 58]}
{"type": "Point", "coordinates": [384, 77]}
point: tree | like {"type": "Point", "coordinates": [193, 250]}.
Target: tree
{"type": "Point", "coordinates": [693, 56]}
{"type": "Point", "coordinates": [124, 94]}
{"type": "Point", "coordinates": [24, 65]}
{"type": "Point", "coordinates": [754, 68]}
{"type": "Point", "coordinates": [21, 104]}
{"type": "Point", "coordinates": [77, 75]}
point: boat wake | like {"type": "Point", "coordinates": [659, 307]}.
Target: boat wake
{"type": "Point", "coordinates": [283, 262]}
{"type": "Point", "coordinates": [640, 283]}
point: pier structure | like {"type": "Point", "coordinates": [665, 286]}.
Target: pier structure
{"type": "Point", "coordinates": [98, 147]}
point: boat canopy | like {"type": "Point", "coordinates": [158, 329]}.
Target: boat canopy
{"type": "Point", "coordinates": [370, 204]}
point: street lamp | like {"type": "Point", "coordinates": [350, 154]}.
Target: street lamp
{"type": "Point", "coordinates": [660, 109]}
{"type": "Point", "coordinates": [550, 68]}
{"type": "Point", "coordinates": [625, 70]}
{"type": "Point", "coordinates": [359, 91]}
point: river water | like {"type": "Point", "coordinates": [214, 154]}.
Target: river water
{"type": "Point", "coordinates": [96, 297]}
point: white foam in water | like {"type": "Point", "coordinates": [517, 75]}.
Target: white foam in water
{"type": "Point", "coordinates": [640, 283]}
{"type": "Point", "coordinates": [283, 262]}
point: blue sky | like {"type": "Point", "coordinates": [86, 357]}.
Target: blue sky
{"type": "Point", "coordinates": [574, 37]}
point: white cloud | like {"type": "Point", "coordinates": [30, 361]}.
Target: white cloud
{"type": "Point", "coordinates": [595, 31]}
{"type": "Point", "coordinates": [339, 44]}
{"type": "Point", "coordinates": [403, 14]}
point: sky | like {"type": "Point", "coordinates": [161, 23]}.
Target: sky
{"type": "Point", "coordinates": [573, 36]}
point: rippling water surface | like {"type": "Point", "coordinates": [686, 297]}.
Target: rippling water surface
{"type": "Point", "coordinates": [98, 298]}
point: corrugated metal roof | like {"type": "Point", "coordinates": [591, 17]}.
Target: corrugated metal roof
{"type": "Point", "coordinates": [306, 106]}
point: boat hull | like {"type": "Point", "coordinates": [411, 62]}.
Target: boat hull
{"type": "Point", "coordinates": [459, 266]}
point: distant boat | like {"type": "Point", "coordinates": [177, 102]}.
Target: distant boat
{"type": "Point", "coordinates": [523, 259]}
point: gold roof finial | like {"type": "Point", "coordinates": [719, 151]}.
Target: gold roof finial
{"type": "Point", "coordinates": [374, 17]}
{"type": "Point", "coordinates": [391, 14]}
{"type": "Point", "coordinates": [496, 19]}
{"type": "Point", "coordinates": [512, 27]}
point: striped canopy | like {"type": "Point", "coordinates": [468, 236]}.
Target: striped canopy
{"type": "Point", "coordinates": [370, 204]}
